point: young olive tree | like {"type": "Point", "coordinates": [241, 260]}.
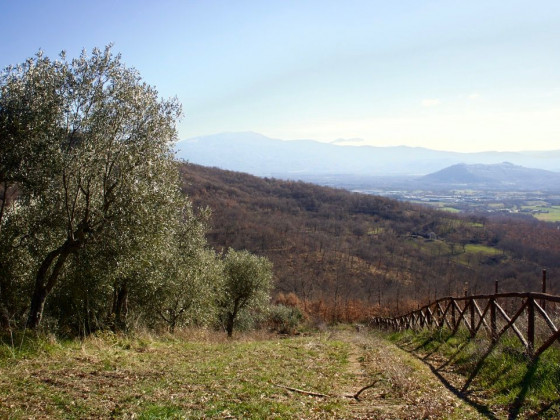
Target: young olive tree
{"type": "Point", "coordinates": [185, 276]}
{"type": "Point", "coordinates": [247, 285]}
{"type": "Point", "coordinates": [90, 150]}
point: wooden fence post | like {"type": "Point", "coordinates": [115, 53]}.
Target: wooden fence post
{"type": "Point", "coordinates": [453, 318]}
{"type": "Point", "coordinates": [530, 302]}
{"type": "Point", "coordinates": [530, 325]}
{"type": "Point", "coordinates": [472, 318]}
{"type": "Point", "coordinates": [428, 317]}
{"type": "Point", "coordinates": [493, 327]}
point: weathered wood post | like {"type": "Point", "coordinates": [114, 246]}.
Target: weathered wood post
{"type": "Point", "coordinates": [531, 326]}
{"type": "Point", "coordinates": [472, 318]}
{"type": "Point", "coordinates": [492, 303]}
{"type": "Point", "coordinates": [453, 318]}
{"type": "Point", "coordinates": [429, 317]}
{"type": "Point", "coordinates": [493, 327]}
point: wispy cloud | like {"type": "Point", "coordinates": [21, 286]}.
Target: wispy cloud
{"type": "Point", "coordinates": [430, 102]}
{"type": "Point", "coordinates": [474, 95]}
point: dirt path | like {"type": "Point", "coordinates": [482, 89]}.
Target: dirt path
{"type": "Point", "coordinates": [404, 387]}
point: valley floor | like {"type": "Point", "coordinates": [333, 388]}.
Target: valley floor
{"type": "Point", "coordinates": [202, 375]}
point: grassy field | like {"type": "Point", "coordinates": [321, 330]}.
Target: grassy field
{"type": "Point", "coordinates": [482, 249]}
{"type": "Point", "coordinates": [552, 215]}
{"type": "Point", "coordinates": [499, 379]}
{"type": "Point", "coordinates": [197, 374]}
{"type": "Point", "coordinates": [340, 373]}
{"type": "Point", "coordinates": [449, 209]}
{"type": "Point", "coordinates": [463, 255]}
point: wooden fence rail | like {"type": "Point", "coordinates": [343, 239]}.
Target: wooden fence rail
{"type": "Point", "coordinates": [530, 322]}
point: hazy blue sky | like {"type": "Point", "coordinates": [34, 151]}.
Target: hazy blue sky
{"type": "Point", "coordinates": [463, 75]}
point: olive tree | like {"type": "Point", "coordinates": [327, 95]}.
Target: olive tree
{"type": "Point", "coordinates": [28, 110]}
{"type": "Point", "coordinates": [182, 277]}
{"type": "Point", "coordinates": [90, 155]}
{"type": "Point", "coordinates": [247, 285]}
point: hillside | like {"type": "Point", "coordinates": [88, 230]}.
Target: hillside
{"type": "Point", "coordinates": [496, 176]}
{"type": "Point", "coordinates": [345, 254]}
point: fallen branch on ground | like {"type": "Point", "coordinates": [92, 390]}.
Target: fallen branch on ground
{"type": "Point", "coordinates": [301, 391]}
{"type": "Point", "coordinates": [356, 396]}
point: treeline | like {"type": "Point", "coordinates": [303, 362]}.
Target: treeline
{"type": "Point", "coordinates": [341, 255]}
{"type": "Point", "coordinates": [95, 232]}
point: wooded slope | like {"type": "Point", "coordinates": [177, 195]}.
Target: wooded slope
{"type": "Point", "coordinates": [345, 254]}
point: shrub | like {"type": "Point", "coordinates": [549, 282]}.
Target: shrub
{"type": "Point", "coordinates": [285, 319]}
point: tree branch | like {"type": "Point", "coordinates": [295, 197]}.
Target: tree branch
{"type": "Point", "coordinates": [356, 396]}
{"type": "Point", "coordinates": [301, 391]}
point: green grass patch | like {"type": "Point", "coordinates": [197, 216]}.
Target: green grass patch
{"type": "Point", "coordinates": [155, 412]}
{"type": "Point", "coordinates": [461, 254]}
{"type": "Point", "coordinates": [510, 379]}
{"type": "Point", "coordinates": [450, 209]}
{"type": "Point", "coordinates": [482, 249]}
{"type": "Point", "coordinates": [549, 214]}
{"type": "Point", "coordinates": [470, 253]}
{"type": "Point", "coordinates": [534, 203]}
{"type": "Point", "coordinates": [435, 247]}
{"type": "Point", "coordinates": [201, 375]}
{"type": "Point", "coordinates": [376, 231]}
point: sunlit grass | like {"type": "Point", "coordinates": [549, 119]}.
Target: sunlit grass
{"type": "Point", "coordinates": [552, 215]}
{"type": "Point", "coordinates": [482, 249]}
{"type": "Point", "coordinates": [450, 209]}
{"type": "Point", "coordinates": [203, 376]}
{"type": "Point", "coordinates": [504, 371]}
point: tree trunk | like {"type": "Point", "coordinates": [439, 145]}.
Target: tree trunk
{"type": "Point", "coordinates": [121, 307]}
{"type": "Point", "coordinates": [4, 313]}
{"type": "Point", "coordinates": [231, 317]}
{"type": "Point", "coordinates": [45, 282]}
{"type": "Point", "coordinates": [4, 318]}
{"type": "Point", "coordinates": [229, 324]}
{"type": "Point", "coordinates": [173, 324]}
{"type": "Point", "coordinates": [37, 306]}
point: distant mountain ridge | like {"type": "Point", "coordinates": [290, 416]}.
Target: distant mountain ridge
{"type": "Point", "coordinates": [259, 155]}
{"type": "Point", "coordinates": [500, 175]}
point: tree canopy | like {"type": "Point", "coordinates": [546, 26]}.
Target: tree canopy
{"type": "Point", "coordinates": [91, 210]}
{"type": "Point", "coordinates": [247, 284]}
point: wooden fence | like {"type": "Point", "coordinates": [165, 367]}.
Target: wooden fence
{"type": "Point", "coordinates": [488, 314]}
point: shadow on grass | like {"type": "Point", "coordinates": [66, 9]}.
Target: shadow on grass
{"type": "Point", "coordinates": [464, 392]}
{"type": "Point", "coordinates": [478, 367]}
{"type": "Point", "coordinates": [482, 409]}
{"type": "Point", "coordinates": [547, 407]}
{"type": "Point", "coordinates": [525, 383]}
{"type": "Point", "coordinates": [515, 408]}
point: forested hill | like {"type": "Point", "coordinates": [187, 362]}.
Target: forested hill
{"type": "Point", "coordinates": [344, 253]}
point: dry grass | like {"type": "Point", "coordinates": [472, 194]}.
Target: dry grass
{"type": "Point", "coordinates": [194, 374]}
{"type": "Point", "coordinates": [200, 374]}
{"type": "Point", "coordinates": [405, 387]}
